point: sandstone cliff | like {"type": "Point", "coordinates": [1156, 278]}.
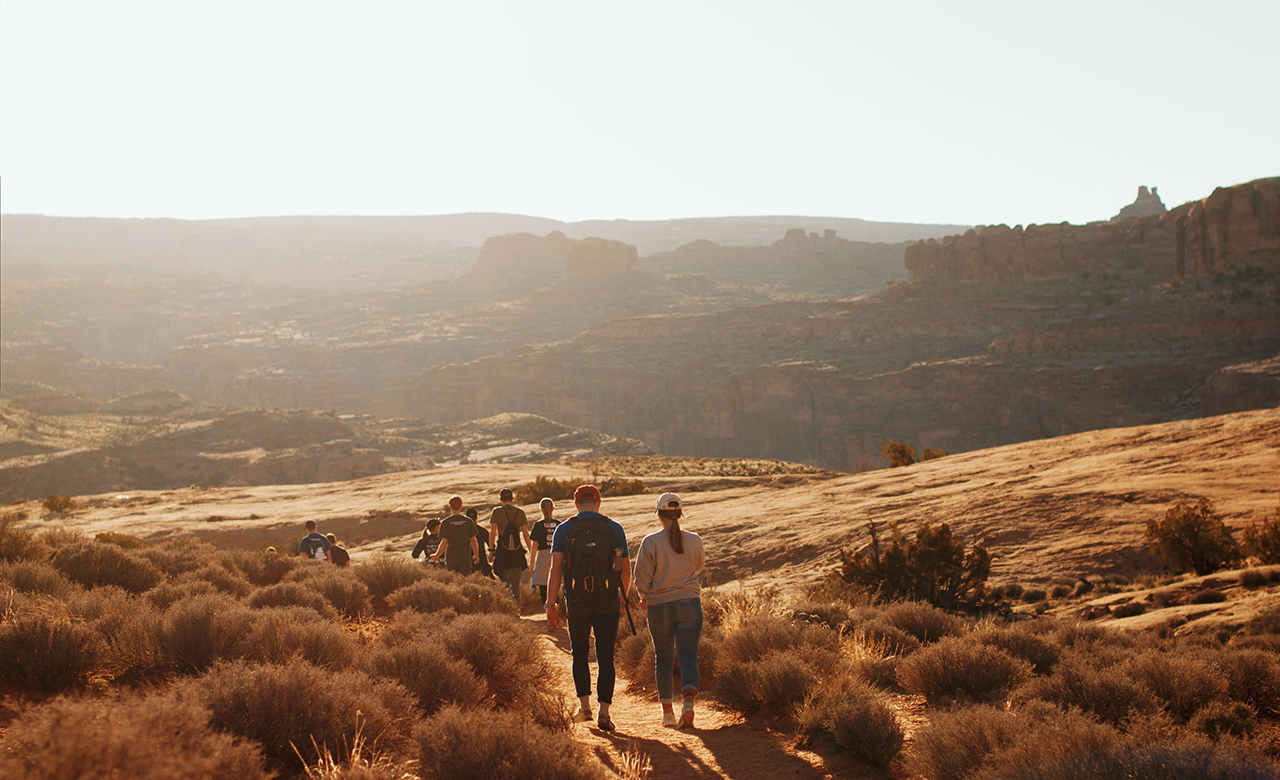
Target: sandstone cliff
{"type": "Point", "coordinates": [1234, 228]}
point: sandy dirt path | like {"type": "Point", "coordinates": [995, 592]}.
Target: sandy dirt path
{"type": "Point", "coordinates": [723, 744]}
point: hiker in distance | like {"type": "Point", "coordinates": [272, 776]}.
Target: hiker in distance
{"type": "Point", "coordinates": [338, 554]}
{"type": "Point", "coordinates": [540, 548]}
{"type": "Point", "coordinates": [589, 556]}
{"type": "Point", "coordinates": [429, 543]}
{"type": "Point", "coordinates": [668, 564]}
{"type": "Point", "coordinates": [507, 524]}
{"type": "Point", "coordinates": [314, 545]}
{"type": "Point", "coordinates": [458, 540]}
{"type": "Point", "coordinates": [483, 568]}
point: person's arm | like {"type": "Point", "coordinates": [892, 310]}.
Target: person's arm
{"type": "Point", "coordinates": [444, 545]}
{"type": "Point", "coordinates": [553, 590]}
{"type": "Point", "coordinates": [475, 549]}
{"type": "Point", "coordinates": [645, 564]}
{"type": "Point", "coordinates": [524, 529]}
{"type": "Point", "coordinates": [626, 583]}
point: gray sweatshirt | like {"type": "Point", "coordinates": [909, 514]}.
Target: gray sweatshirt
{"type": "Point", "coordinates": [662, 575]}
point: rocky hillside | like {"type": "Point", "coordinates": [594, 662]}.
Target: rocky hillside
{"type": "Point", "coordinates": [164, 440]}
{"type": "Point", "coordinates": [1234, 229]}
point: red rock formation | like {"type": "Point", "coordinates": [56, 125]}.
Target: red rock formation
{"type": "Point", "coordinates": [1233, 228]}
{"type": "Point", "coordinates": [1147, 204]}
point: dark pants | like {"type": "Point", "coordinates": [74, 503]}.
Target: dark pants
{"type": "Point", "coordinates": [601, 617]}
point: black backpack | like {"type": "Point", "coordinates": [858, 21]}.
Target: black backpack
{"type": "Point", "coordinates": [590, 575]}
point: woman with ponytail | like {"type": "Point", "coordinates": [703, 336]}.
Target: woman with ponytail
{"type": "Point", "coordinates": [666, 577]}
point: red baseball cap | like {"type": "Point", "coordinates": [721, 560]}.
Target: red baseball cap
{"type": "Point", "coordinates": [587, 493]}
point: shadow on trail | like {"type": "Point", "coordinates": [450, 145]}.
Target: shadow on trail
{"type": "Point", "coordinates": [762, 757]}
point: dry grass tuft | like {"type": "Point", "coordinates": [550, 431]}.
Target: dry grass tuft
{"type": "Point", "coordinates": [958, 665]}
{"type": "Point", "coordinates": [154, 738]}
{"type": "Point", "coordinates": [93, 564]}
{"type": "Point", "coordinates": [477, 745]}
{"type": "Point", "coordinates": [856, 717]}
{"type": "Point", "coordinates": [45, 649]}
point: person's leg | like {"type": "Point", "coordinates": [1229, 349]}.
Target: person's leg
{"type": "Point", "coordinates": [512, 579]}
{"type": "Point", "coordinates": [661, 624]}
{"type": "Point", "coordinates": [580, 620]}
{"type": "Point", "coordinates": [605, 623]}
{"type": "Point", "coordinates": [687, 631]}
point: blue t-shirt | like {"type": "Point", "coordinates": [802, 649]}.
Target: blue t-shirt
{"type": "Point", "coordinates": [560, 540]}
{"type": "Point", "coordinates": [313, 542]}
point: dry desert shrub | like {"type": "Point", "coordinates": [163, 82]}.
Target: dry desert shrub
{"type": "Point", "coordinates": [426, 669]}
{"type": "Point", "coordinates": [832, 614]}
{"type": "Point", "coordinates": [448, 590]}
{"type": "Point", "coordinates": [155, 738]}
{"type": "Point", "coordinates": [407, 625]}
{"type": "Point", "coordinates": [1253, 677]}
{"type": "Point", "coordinates": [1032, 595]}
{"type": "Point", "coordinates": [956, 664]}
{"type": "Point", "coordinates": [385, 574]}
{"type": "Point", "coordinates": [340, 587]}
{"type": "Point", "coordinates": [177, 556]}
{"type": "Point", "coordinates": [1146, 762]}
{"type": "Point", "coordinates": [360, 763]}
{"type": "Point", "coordinates": [1128, 609]}
{"type": "Point", "coordinates": [1224, 719]}
{"type": "Point", "coordinates": [1181, 684]}
{"type": "Point", "coordinates": [462, 744]}
{"type": "Point", "coordinates": [169, 593]}
{"type": "Point", "coordinates": [636, 660]}
{"type": "Point", "coordinates": [45, 649]}
{"type": "Point", "coordinates": [880, 672]}
{"type": "Point", "coordinates": [855, 717]}
{"type": "Point", "coordinates": [1041, 653]}
{"type": "Point", "coordinates": [764, 634]}
{"type": "Point", "coordinates": [1048, 734]}
{"type": "Point", "coordinates": [128, 627]}
{"type": "Point", "coordinates": [1262, 540]}
{"type": "Point", "coordinates": [923, 621]}
{"type": "Point", "coordinates": [280, 633]}
{"type": "Point", "coordinates": [93, 564]}
{"type": "Point", "coordinates": [780, 680]}
{"type": "Point", "coordinates": [230, 581]}
{"type": "Point", "coordinates": [60, 536]}
{"type": "Point", "coordinates": [36, 577]}
{"type": "Point", "coordinates": [958, 743]}
{"type": "Point", "coordinates": [296, 709]}
{"type": "Point", "coordinates": [18, 542]}
{"type": "Point", "coordinates": [121, 540]}
{"type": "Point", "coordinates": [730, 609]}
{"type": "Point", "coordinates": [1192, 537]}
{"type": "Point", "coordinates": [1107, 693]}
{"type": "Point", "coordinates": [894, 640]}
{"type": "Point", "coordinates": [263, 568]}
{"type": "Point", "coordinates": [291, 594]}
{"type": "Point", "coordinates": [504, 652]}
{"type": "Point", "coordinates": [196, 633]}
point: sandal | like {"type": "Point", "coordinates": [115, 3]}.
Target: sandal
{"type": "Point", "coordinates": [606, 725]}
{"type": "Point", "coordinates": [686, 720]}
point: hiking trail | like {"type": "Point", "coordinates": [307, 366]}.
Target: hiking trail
{"type": "Point", "coordinates": [722, 744]}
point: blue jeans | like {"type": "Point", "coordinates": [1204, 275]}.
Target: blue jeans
{"type": "Point", "coordinates": [676, 628]}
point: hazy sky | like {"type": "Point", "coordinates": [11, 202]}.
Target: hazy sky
{"type": "Point", "coordinates": [956, 112]}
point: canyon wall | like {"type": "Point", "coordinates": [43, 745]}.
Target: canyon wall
{"type": "Point", "coordinates": [1232, 229]}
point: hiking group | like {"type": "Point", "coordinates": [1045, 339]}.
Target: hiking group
{"type": "Point", "coordinates": [582, 570]}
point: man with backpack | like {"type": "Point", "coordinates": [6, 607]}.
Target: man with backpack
{"type": "Point", "coordinates": [506, 524]}
{"type": "Point", "coordinates": [589, 556]}
{"type": "Point", "coordinates": [314, 545]}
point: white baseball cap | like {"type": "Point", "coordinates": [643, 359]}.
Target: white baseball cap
{"type": "Point", "coordinates": [669, 501]}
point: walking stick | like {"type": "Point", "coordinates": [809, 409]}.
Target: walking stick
{"type": "Point", "coordinates": [626, 602]}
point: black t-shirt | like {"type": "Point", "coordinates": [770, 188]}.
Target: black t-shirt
{"type": "Point", "coordinates": [339, 555]}
{"type": "Point", "coordinates": [459, 531]}
{"type": "Point", "coordinates": [542, 533]}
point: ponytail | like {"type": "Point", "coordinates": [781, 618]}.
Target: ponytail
{"type": "Point", "coordinates": [674, 535]}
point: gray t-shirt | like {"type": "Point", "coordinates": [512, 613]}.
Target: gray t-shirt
{"type": "Point", "coordinates": [662, 575]}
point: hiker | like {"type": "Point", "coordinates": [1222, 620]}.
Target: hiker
{"type": "Point", "coordinates": [482, 539]}
{"type": "Point", "coordinates": [589, 555]}
{"type": "Point", "coordinates": [667, 567]}
{"type": "Point", "coordinates": [313, 545]}
{"type": "Point", "coordinates": [458, 540]}
{"type": "Point", "coordinates": [429, 543]}
{"type": "Point", "coordinates": [338, 555]}
{"type": "Point", "coordinates": [506, 525]}
{"type": "Point", "coordinates": [540, 548]}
